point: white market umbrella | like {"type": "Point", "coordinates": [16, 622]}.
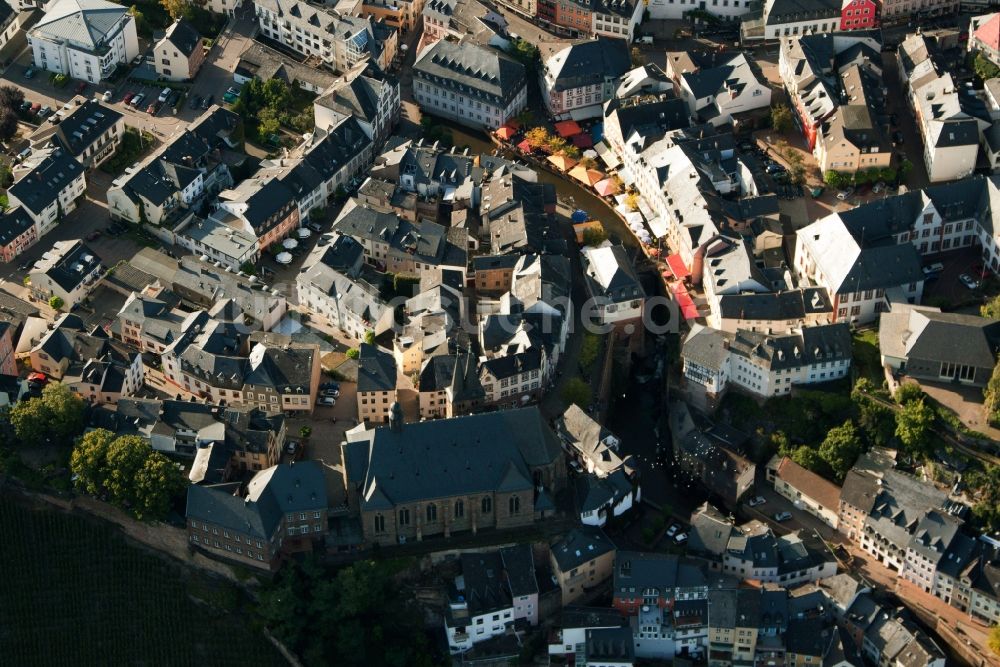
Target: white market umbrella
{"type": "Point", "coordinates": [289, 244]}
{"type": "Point", "coordinates": [284, 258]}
{"type": "Point", "coordinates": [303, 232]}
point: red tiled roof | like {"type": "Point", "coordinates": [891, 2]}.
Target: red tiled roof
{"type": "Point", "coordinates": [810, 484]}
{"type": "Point", "coordinates": [989, 32]}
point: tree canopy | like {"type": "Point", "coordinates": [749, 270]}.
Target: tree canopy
{"type": "Point", "coordinates": [128, 470]}
{"type": "Point", "coordinates": [841, 448]}
{"type": "Point", "coordinates": [576, 390]}
{"type": "Point", "coordinates": [781, 118]}
{"type": "Point", "coordinates": [594, 236]}
{"type": "Point", "coordinates": [356, 618]}
{"type": "Point", "coordinates": [56, 416]}
{"type": "Point", "coordinates": [913, 423]}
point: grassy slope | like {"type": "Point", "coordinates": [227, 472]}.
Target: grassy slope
{"type": "Point", "coordinates": [73, 592]}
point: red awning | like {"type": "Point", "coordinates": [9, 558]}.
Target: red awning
{"type": "Point", "coordinates": [582, 141]}
{"type": "Point", "coordinates": [568, 128]}
{"type": "Point", "coordinates": [506, 132]}
{"type": "Point", "coordinates": [524, 146]}
{"type": "Point", "coordinates": [676, 265]}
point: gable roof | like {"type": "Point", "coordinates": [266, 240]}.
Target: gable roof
{"type": "Point", "coordinates": [447, 457]}
{"type": "Point", "coordinates": [183, 35]}
{"type": "Point", "coordinates": [989, 32]}
{"type": "Point", "coordinates": [83, 22]}
{"type": "Point", "coordinates": [376, 370]}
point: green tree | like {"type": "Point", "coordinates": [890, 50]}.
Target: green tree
{"type": "Point", "coordinates": [994, 639]}
{"type": "Point", "coordinates": [56, 302]}
{"type": "Point", "coordinates": [576, 390]}
{"type": "Point", "coordinates": [833, 178]}
{"type": "Point", "coordinates": [632, 201]}
{"type": "Point", "coordinates": [141, 25]}
{"type": "Point", "coordinates": [155, 486]}
{"type": "Point", "coordinates": [248, 268]}
{"type": "Point", "coordinates": [781, 118]}
{"type": "Point", "coordinates": [557, 145]}
{"type": "Point", "coordinates": [905, 168]}
{"type": "Point", "coordinates": [305, 432]}
{"type": "Point", "coordinates": [907, 392]}
{"type": "Point", "coordinates": [88, 460]}
{"type": "Point", "coordinates": [267, 123]}
{"type": "Point", "coordinates": [524, 51]}
{"type": "Point", "coordinates": [178, 9]}
{"type": "Point", "coordinates": [841, 448]}
{"type": "Point", "coordinates": [991, 395]}
{"type": "Point", "coordinates": [537, 137]}
{"type": "Point", "coordinates": [638, 57]}
{"type": "Point", "coordinates": [594, 236]}
{"type": "Point", "coordinates": [317, 214]}
{"type": "Point", "coordinates": [808, 458]}
{"type": "Point", "coordinates": [126, 457]}
{"type": "Point", "coordinates": [590, 347]}
{"type": "Point", "coordinates": [55, 416]}
{"type": "Point", "coordinates": [991, 309]}
{"type": "Point", "coordinates": [913, 424]}
{"type": "Point", "coordinates": [353, 353]}
{"type": "Point", "coordinates": [370, 337]}
{"type": "Point", "coordinates": [6, 176]}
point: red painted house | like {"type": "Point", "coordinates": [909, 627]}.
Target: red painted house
{"type": "Point", "coordinates": [859, 15]}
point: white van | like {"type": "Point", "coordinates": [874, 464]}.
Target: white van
{"type": "Point", "coordinates": [645, 39]}
{"type": "Point", "coordinates": [164, 95]}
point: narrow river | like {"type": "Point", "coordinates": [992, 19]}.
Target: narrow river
{"type": "Point", "coordinates": [582, 198]}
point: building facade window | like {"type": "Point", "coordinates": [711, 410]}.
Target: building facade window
{"type": "Point", "coordinates": [432, 513]}
{"type": "Point", "coordinates": [487, 505]}
{"type": "Point", "coordinates": [459, 509]}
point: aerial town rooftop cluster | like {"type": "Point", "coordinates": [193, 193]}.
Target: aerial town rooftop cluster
{"type": "Point", "coordinates": [438, 292]}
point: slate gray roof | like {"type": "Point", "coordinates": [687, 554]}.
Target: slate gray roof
{"type": "Point", "coordinates": [594, 493]}
{"type": "Point", "coordinates": [581, 545]}
{"type": "Point", "coordinates": [783, 11]}
{"type": "Point", "coordinates": [40, 187]}
{"type": "Point", "coordinates": [357, 97]}
{"type": "Point", "coordinates": [609, 646]}
{"type": "Point", "coordinates": [815, 344]}
{"type": "Point", "coordinates": [710, 531]}
{"type": "Point", "coordinates": [860, 490]}
{"type": "Point", "coordinates": [14, 223]}
{"type": "Point", "coordinates": [785, 305]}
{"type": "Point", "coordinates": [927, 334]}
{"type": "Point", "coordinates": [447, 457]}
{"type": "Point", "coordinates": [376, 370]}
{"type": "Point", "coordinates": [706, 347]}
{"type": "Point", "coordinates": [485, 590]}
{"type": "Point", "coordinates": [220, 508]}
{"type": "Point", "coordinates": [477, 72]}
{"type": "Point", "coordinates": [295, 487]}
{"type": "Point", "coordinates": [589, 63]}
{"type": "Point", "coordinates": [642, 571]}
{"type": "Point", "coordinates": [59, 264]}
{"type": "Point", "coordinates": [86, 23]}
{"type": "Point", "coordinates": [85, 125]}
{"type": "Point", "coordinates": [519, 567]}
{"type": "Point", "coordinates": [184, 36]}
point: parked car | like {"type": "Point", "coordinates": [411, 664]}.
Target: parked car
{"type": "Point", "coordinates": [782, 516]}
{"type": "Point", "coordinates": [291, 447]}
{"type": "Point", "coordinates": [29, 73]}
{"type": "Point", "coordinates": [681, 538]}
{"type": "Point", "coordinates": [933, 269]}
{"type": "Point", "coordinates": [897, 137]}
{"type": "Point", "coordinates": [25, 105]}
{"type": "Point", "coordinates": [672, 530]}
{"type": "Point", "coordinates": [44, 111]}
{"type": "Point", "coordinates": [25, 265]}
{"type": "Point", "coordinates": [38, 378]}
{"type": "Point", "coordinates": [107, 96]}
{"type": "Point", "coordinates": [164, 94]}
{"type": "Point", "coordinates": [128, 98]}
{"type": "Point", "coordinates": [328, 401]}
{"type": "Point", "coordinates": [174, 97]}
{"type": "Point", "coordinates": [757, 500]}
{"type": "Point", "coordinates": [333, 393]}
{"type": "Point", "coordinates": [330, 385]}
{"type": "Point", "coordinates": [844, 194]}
{"type": "Point", "coordinates": [137, 100]}
{"type": "Point", "coordinates": [968, 281]}
{"type": "Point", "coordinates": [153, 108]}
{"type": "Point", "coordinates": [195, 102]}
